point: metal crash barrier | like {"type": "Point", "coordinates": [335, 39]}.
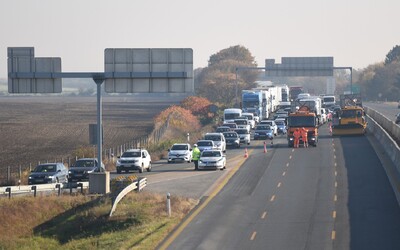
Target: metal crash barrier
{"type": "Point", "coordinates": [34, 189]}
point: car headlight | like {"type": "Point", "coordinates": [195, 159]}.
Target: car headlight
{"type": "Point", "coordinates": [255, 133]}
{"type": "Point", "coordinates": [200, 161]}
{"type": "Point", "coordinates": [69, 172]}
{"type": "Point", "coordinates": [291, 139]}
{"type": "Point", "coordinates": [118, 162]}
{"type": "Point", "coordinates": [50, 177]}
{"type": "Point", "coordinates": [30, 177]}
{"type": "Point", "coordinates": [220, 160]}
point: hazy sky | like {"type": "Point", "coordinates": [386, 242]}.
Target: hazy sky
{"type": "Point", "coordinates": [355, 32]}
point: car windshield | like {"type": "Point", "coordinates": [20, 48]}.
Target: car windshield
{"type": "Point", "coordinates": [230, 135]}
{"type": "Point", "coordinates": [213, 137]}
{"type": "Point", "coordinates": [223, 129]}
{"type": "Point", "coordinates": [84, 163]}
{"type": "Point", "coordinates": [279, 123]}
{"type": "Point", "coordinates": [241, 131]}
{"type": "Point", "coordinates": [263, 127]}
{"type": "Point", "coordinates": [45, 168]}
{"type": "Point", "coordinates": [131, 154]}
{"type": "Point", "coordinates": [179, 147]}
{"type": "Point", "coordinates": [265, 122]}
{"type": "Point", "coordinates": [204, 143]}
{"type": "Point", "coordinates": [211, 154]}
{"type": "Point", "coordinates": [241, 122]}
{"type": "Point", "coordinates": [230, 125]}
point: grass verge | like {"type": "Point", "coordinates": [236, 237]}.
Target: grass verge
{"type": "Point", "coordinates": [79, 222]}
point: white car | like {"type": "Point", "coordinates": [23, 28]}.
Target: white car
{"type": "Point", "coordinates": [250, 119]}
{"type": "Point", "coordinates": [244, 135]}
{"type": "Point", "coordinates": [243, 123]}
{"type": "Point", "coordinates": [212, 159]}
{"type": "Point", "coordinates": [205, 145]}
{"type": "Point", "coordinates": [218, 139]}
{"type": "Point", "coordinates": [180, 152]}
{"type": "Point", "coordinates": [134, 159]}
{"type": "Point", "coordinates": [272, 124]}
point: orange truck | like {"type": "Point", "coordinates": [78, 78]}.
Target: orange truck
{"type": "Point", "coordinates": [303, 118]}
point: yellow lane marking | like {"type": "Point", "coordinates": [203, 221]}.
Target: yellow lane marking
{"type": "Point", "coordinates": [335, 198]}
{"type": "Point", "coordinates": [196, 211]}
{"type": "Point", "coordinates": [264, 215]}
{"type": "Point", "coordinates": [279, 184]}
{"type": "Point", "coordinates": [272, 198]}
{"type": "Point", "coordinates": [334, 214]}
{"type": "Point", "coordinates": [253, 235]}
{"type": "Point", "coordinates": [284, 173]}
{"type": "Point", "coordinates": [333, 235]}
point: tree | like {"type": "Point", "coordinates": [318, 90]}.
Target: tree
{"type": "Point", "coordinates": [218, 82]}
{"type": "Point", "coordinates": [393, 55]}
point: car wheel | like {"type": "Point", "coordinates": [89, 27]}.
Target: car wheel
{"type": "Point", "coordinates": [149, 167]}
{"type": "Point", "coordinates": [141, 169]}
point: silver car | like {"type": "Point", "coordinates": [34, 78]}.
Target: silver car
{"type": "Point", "coordinates": [244, 135]}
{"type": "Point", "coordinates": [48, 173]}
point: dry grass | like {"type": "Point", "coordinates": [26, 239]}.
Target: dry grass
{"type": "Point", "coordinates": [140, 222]}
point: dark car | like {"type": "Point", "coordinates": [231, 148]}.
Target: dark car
{"type": "Point", "coordinates": [397, 121]}
{"type": "Point", "coordinates": [81, 169]}
{"type": "Point", "coordinates": [232, 139]}
{"type": "Point", "coordinates": [48, 173]}
{"type": "Point", "coordinates": [263, 131]}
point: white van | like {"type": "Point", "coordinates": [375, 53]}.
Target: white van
{"type": "Point", "coordinates": [231, 114]}
{"type": "Point", "coordinates": [218, 139]}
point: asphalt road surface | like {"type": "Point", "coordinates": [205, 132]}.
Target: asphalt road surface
{"type": "Point", "coordinates": [333, 196]}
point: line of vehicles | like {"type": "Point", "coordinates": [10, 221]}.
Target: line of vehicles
{"type": "Point", "coordinates": [267, 111]}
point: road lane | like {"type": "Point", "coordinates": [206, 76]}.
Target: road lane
{"type": "Point", "coordinates": [334, 196]}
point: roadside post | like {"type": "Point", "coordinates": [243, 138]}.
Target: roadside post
{"type": "Point", "coordinates": [169, 204]}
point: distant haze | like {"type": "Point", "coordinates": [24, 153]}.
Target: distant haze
{"type": "Point", "coordinates": [356, 33]}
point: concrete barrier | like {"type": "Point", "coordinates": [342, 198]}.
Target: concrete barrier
{"type": "Point", "coordinates": [391, 150]}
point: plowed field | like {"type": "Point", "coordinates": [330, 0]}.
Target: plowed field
{"type": "Point", "coordinates": [36, 129]}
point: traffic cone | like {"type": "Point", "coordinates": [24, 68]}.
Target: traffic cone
{"type": "Point", "coordinates": [265, 147]}
{"type": "Point", "coordinates": [245, 153]}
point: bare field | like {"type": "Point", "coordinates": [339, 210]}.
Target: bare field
{"type": "Point", "coordinates": [35, 129]}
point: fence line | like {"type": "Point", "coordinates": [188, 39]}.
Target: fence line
{"type": "Point", "coordinates": [10, 173]}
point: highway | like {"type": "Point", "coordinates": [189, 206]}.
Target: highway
{"type": "Point", "coordinates": [333, 196]}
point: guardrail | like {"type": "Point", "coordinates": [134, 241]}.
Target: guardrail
{"type": "Point", "coordinates": [137, 185]}
{"type": "Point", "coordinates": [27, 189]}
